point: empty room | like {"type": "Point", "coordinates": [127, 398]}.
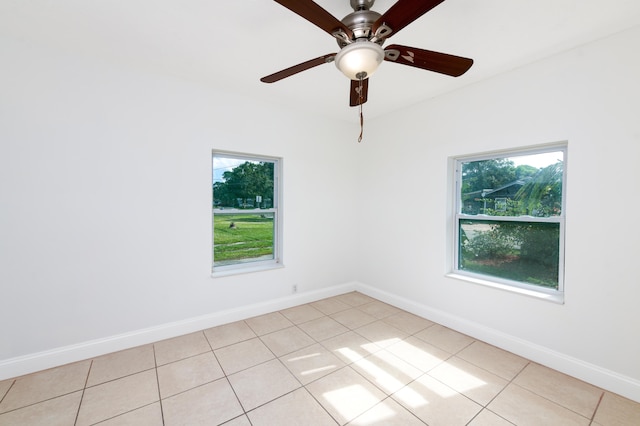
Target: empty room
{"type": "Point", "coordinates": [329, 212]}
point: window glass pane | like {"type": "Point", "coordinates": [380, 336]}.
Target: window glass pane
{"type": "Point", "coordinates": [242, 238]}
{"type": "Point", "coordinates": [242, 184]}
{"type": "Point", "coordinates": [518, 185]}
{"type": "Point", "coordinates": [244, 210]}
{"type": "Point", "coordinates": [526, 252]}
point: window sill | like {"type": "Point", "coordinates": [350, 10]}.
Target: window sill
{"type": "Point", "coordinates": [246, 270]}
{"type": "Point", "coordinates": [557, 297]}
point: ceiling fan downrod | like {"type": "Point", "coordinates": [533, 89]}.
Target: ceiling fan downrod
{"type": "Point", "coordinates": [361, 22]}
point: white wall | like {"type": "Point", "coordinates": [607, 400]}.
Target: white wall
{"type": "Point", "coordinates": [589, 97]}
{"type": "Point", "coordinates": [105, 183]}
{"type": "Point", "coordinates": [105, 197]}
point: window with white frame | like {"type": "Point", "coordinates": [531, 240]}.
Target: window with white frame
{"type": "Point", "coordinates": [510, 219]}
{"type": "Point", "coordinates": [246, 215]}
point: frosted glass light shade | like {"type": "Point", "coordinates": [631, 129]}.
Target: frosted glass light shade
{"type": "Point", "coordinates": [363, 56]}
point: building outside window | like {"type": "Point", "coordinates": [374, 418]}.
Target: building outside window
{"type": "Point", "coordinates": [510, 218]}
{"type": "Point", "coordinates": [246, 215]}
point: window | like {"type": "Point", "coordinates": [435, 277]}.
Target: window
{"type": "Point", "coordinates": [509, 220]}
{"type": "Point", "coordinates": [246, 215]}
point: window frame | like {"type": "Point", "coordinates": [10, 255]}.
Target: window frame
{"type": "Point", "coordinates": [546, 293]}
{"type": "Point", "coordinates": [275, 209]}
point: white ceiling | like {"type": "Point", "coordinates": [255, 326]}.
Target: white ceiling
{"type": "Point", "coordinates": [232, 43]}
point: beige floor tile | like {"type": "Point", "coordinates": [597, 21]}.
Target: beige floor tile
{"type": "Point", "coordinates": [354, 298]}
{"type": "Point", "coordinates": [210, 404]}
{"type": "Point", "coordinates": [350, 346]}
{"type": "Point", "coordinates": [474, 382]}
{"type": "Point", "coordinates": [436, 403]}
{"type": "Point", "coordinates": [262, 383]}
{"type": "Point", "coordinates": [445, 338]}
{"type": "Point", "coordinates": [387, 413]}
{"type": "Point", "coordinates": [149, 415]}
{"type": "Point", "coordinates": [489, 418]}
{"type": "Point", "coordinates": [4, 387]}
{"type": "Point", "coordinates": [265, 324]}
{"type": "Point", "coordinates": [330, 306]}
{"type": "Point", "coordinates": [323, 328]}
{"type": "Point", "coordinates": [294, 409]}
{"type": "Point", "coordinates": [418, 353]}
{"type": "Point", "coordinates": [287, 340]}
{"type": "Point", "coordinates": [345, 394]}
{"type": "Point", "coordinates": [407, 322]}
{"type": "Point", "coordinates": [311, 363]}
{"type": "Point", "coordinates": [188, 373]}
{"type": "Point", "coordinates": [228, 334]}
{"type": "Point", "coordinates": [378, 309]}
{"type": "Point", "coordinates": [353, 318]}
{"type": "Point", "coordinates": [45, 385]}
{"type": "Point", "coordinates": [120, 364]}
{"type": "Point", "coordinates": [238, 421]}
{"type": "Point", "coordinates": [497, 361]}
{"type": "Point", "coordinates": [243, 355]}
{"type": "Point", "coordinates": [386, 371]}
{"type": "Point", "coordinates": [302, 313]}
{"type": "Point", "coordinates": [525, 408]}
{"type": "Point", "coordinates": [119, 396]}
{"type": "Point", "coordinates": [381, 333]}
{"type": "Point", "coordinates": [60, 411]}
{"type": "Point", "coordinates": [615, 410]}
{"type": "Point", "coordinates": [181, 347]}
{"type": "Point", "coordinates": [569, 392]}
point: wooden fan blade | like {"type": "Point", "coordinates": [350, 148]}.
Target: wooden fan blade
{"type": "Point", "coordinates": [404, 12]}
{"type": "Point", "coordinates": [442, 63]}
{"type": "Point", "coordinates": [354, 94]}
{"type": "Point", "coordinates": [315, 14]}
{"type": "Point", "coordinates": [298, 68]}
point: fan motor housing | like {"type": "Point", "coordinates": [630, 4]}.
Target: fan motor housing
{"type": "Point", "coordinates": [360, 23]}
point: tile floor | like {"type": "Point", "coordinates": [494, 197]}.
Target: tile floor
{"type": "Point", "coordinates": [348, 359]}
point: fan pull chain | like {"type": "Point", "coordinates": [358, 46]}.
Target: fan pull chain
{"type": "Point", "coordinates": [361, 116]}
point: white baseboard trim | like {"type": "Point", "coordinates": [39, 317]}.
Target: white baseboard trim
{"type": "Point", "coordinates": [596, 375]}
{"type": "Point", "coordinates": [31, 363]}
{"type": "Point", "coordinates": [590, 373]}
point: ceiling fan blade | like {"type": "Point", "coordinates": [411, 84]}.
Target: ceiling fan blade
{"type": "Point", "coordinates": [298, 68]}
{"type": "Point", "coordinates": [315, 14]}
{"type": "Point", "coordinates": [354, 93]}
{"type": "Point", "coordinates": [404, 12]}
{"type": "Point", "coordinates": [442, 63]}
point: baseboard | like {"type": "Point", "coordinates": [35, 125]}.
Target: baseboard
{"type": "Point", "coordinates": [596, 375]}
{"type": "Point", "coordinates": [590, 373]}
{"type": "Point", "coordinates": [26, 364]}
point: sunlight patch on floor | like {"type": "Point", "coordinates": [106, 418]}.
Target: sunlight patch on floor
{"type": "Point", "coordinates": [318, 370]}
{"type": "Point", "coordinates": [350, 400]}
{"type": "Point", "coordinates": [303, 357]}
{"type": "Point", "coordinates": [458, 378]}
{"type": "Point", "coordinates": [376, 416]}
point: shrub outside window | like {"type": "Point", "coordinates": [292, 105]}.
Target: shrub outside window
{"type": "Point", "coordinates": [246, 220]}
{"type": "Point", "coordinates": [509, 218]}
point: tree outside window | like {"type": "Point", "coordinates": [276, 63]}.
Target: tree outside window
{"type": "Point", "coordinates": [510, 218]}
{"type": "Point", "coordinates": [245, 211]}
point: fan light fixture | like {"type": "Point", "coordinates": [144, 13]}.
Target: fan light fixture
{"type": "Point", "coordinates": [360, 59]}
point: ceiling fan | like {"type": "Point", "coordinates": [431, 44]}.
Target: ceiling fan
{"type": "Point", "coordinates": [361, 35]}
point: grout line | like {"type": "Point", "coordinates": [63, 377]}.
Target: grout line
{"type": "Point", "coordinates": [508, 382]}
{"type": "Point", "coordinates": [8, 390]}
{"type": "Point", "coordinates": [155, 362]}
{"type": "Point", "coordinates": [593, 416]}
{"type": "Point", "coordinates": [321, 406]}
{"type": "Point", "coordinates": [552, 401]}
{"type": "Point", "coordinates": [84, 388]}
